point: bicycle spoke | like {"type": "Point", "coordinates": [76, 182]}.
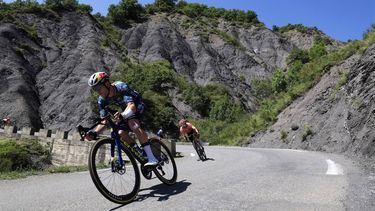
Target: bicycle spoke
{"type": "Point", "coordinates": [119, 183]}
{"type": "Point", "coordinates": [166, 169]}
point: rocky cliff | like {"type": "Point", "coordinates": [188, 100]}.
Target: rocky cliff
{"type": "Point", "coordinates": [331, 117]}
{"type": "Point", "coordinates": [47, 58]}
{"type": "Point", "coordinates": [44, 71]}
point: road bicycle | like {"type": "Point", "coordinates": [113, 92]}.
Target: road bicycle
{"type": "Point", "coordinates": [197, 144]}
{"type": "Point", "coordinates": [113, 164]}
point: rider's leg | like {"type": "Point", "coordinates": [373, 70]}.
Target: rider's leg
{"type": "Point", "coordinates": [143, 139]}
{"type": "Point", "coordinates": [125, 137]}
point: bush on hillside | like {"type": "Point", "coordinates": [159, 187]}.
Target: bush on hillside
{"type": "Point", "coordinates": [298, 27]}
{"type": "Point", "coordinates": [123, 12]}
{"type": "Point", "coordinates": [279, 81]}
{"type": "Point", "coordinates": [69, 5]}
{"type": "Point", "coordinates": [317, 50]}
{"type": "Point", "coordinates": [298, 55]}
{"type": "Point", "coordinates": [22, 154]}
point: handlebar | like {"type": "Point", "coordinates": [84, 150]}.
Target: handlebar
{"type": "Point", "coordinates": [84, 130]}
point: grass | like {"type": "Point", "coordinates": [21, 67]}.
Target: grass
{"type": "Point", "coordinates": [51, 170]}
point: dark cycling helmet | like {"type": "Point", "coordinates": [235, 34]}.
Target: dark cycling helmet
{"type": "Point", "coordinates": [98, 78]}
{"type": "Point", "coordinates": [182, 122]}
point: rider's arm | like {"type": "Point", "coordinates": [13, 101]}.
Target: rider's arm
{"type": "Point", "coordinates": [196, 132]}
{"type": "Point", "coordinates": [100, 127]}
{"type": "Point", "coordinates": [129, 110]}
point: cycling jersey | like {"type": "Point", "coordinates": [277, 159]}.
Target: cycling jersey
{"type": "Point", "coordinates": [123, 95]}
{"type": "Point", "coordinates": [188, 129]}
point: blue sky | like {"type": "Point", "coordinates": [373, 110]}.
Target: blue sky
{"type": "Point", "coordinates": [339, 19]}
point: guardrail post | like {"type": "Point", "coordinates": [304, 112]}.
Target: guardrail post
{"type": "Point", "coordinates": [61, 134]}
{"type": "Point", "coordinates": [44, 133]}
{"type": "Point", "coordinates": [9, 130]}
{"type": "Point", "coordinates": [28, 131]}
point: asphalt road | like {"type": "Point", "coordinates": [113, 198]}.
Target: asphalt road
{"type": "Point", "coordinates": [232, 179]}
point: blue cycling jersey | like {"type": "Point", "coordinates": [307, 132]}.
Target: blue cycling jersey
{"type": "Point", "coordinates": [124, 95]}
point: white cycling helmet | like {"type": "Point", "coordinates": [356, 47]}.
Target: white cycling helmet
{"type": "Point", "coordinates": [98, 78]}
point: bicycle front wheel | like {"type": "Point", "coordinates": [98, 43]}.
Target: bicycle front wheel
{"type": "Point", "coordinates": [200, 150]}
{"type": "Point", "coordinates": [166, 170]}
{"type": "Point", "coordinates": [118, 183]}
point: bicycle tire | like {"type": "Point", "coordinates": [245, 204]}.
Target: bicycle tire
{"type": "Point", "coordinates": [99, 153]}
{"type": "Point", "coordinates": [166, 162]}
{"type": "Point", "coordinates": [201, 152]}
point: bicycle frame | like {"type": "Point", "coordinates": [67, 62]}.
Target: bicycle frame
{"type": "Point", "coordinates": [117, 139]}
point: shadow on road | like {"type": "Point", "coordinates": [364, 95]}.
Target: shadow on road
{"type": "Point", "coordinates": [208, 159]}
{"type": "Point", "coordinates": [162, 191]}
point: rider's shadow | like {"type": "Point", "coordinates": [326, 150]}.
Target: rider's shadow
{"type": "Point", "coordinates": [162, 191]}
{"type": "Point", "coordinates": [208, 159]}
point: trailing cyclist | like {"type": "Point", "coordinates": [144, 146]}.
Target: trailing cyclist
{"type": "Point", "coordinates": [188, 130]}
{"type": "Point", "coordinates": [191, 133]}
{"type": "Point", "coordinates": [132, 106]}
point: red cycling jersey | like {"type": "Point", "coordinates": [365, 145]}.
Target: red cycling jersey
{"type": "Point", "coordinates": [189, 128]}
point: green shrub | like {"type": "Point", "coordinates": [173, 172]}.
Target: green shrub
{"type": "Point", "coordinates": [298, 55]}
{"type": "Point", "coordinates": [225, 109]}
{"type": "Point", "coordinates": [279, 81]}
{"type": "Point", "coordinates": [293, 71]}
{"type": "Point", "coordinates": [307, 132]}
{"type": "Point", "coordinates": [193, 10]}
{"type": "Point", "coordinates": [262, 88]}
{"type": "Point", "coordinates": [228, 38]}
{"type": "Point", "coordinates": [284, 135]}
{"type": "Point", "coordinates": [22, 155]}
{"type": "Point", "coordinates": [317, 50]}
{"type": "Point", "coordinates": [298, 27]}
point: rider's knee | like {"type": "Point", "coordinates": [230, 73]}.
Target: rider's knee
{"type": "Point", "coordinates": [134, 125]}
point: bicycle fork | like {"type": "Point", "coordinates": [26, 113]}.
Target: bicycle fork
{"type": "Point", "coordinates": [120, 162]}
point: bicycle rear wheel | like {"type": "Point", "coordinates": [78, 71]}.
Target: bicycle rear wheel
{"type": "Point", "coordinates": [119, 184]}
{"type": "Point", "coordinates": [166, 170]}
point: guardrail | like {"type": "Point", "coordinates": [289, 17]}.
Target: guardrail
{"type": "Point", "coordinates": [65, 146]}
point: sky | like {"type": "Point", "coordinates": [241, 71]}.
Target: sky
{"type": "Point", "coordinates": [340, 19]}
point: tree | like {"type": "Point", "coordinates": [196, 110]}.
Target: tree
{"type": "Point", "coordinates": [194, 10]}
{"type": "Point", "coordinates": [123, 12]}
{"type": "Point", "coordinates": [57, 5]}
{"type": "Point", "coordinates": [165, 5]}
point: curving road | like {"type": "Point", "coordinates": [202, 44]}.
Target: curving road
{"type": "Point", "coordinates": [233, 178]}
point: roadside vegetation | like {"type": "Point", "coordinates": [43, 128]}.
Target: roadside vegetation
{"type": "Point", "coordinates": [20, 158]}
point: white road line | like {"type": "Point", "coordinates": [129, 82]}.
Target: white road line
{"type": "Point", "coordinates": [333, 168]}
{"type": "Point", "coordinates": [192, 154]}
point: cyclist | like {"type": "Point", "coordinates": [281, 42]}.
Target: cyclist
{"type": "Point", "coordinates": [6, 121]}
{"type": "Point", "coordinates": [188, 130]}
{"type": "Point", "coordinates": [132, 106]}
